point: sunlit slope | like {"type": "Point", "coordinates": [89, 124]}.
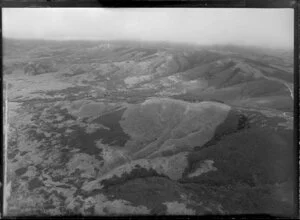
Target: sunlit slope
{"type": "Point", "coordinates": [171, 125]}
{"type": "Point", "coordinates": [162, 132]}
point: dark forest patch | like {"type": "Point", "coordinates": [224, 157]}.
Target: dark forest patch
{"type": "Point", "coordinates": [253, 156]}
{"type": "Point", "coordinates": [35, 183]}
{"type": "Point", "coordinates": [21, 171]}
{"type": "Point", "coordinates": [115, 135]}
{"type": "Point", "coordinates": [149, 191]}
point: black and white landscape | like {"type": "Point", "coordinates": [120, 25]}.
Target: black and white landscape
{"type": "Point", "coordinates": [129, 121]}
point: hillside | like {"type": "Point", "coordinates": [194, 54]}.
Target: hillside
{"type": "Point", "coordinates": [119, 127]}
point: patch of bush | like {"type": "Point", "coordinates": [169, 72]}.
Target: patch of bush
{"type": "Point", "coordinates": [253, 156]}
{"type": "Point", "coordinates": [137, 172]}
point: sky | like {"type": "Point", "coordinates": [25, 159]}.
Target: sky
{"type": "Point", "coordinates": [260, 27]}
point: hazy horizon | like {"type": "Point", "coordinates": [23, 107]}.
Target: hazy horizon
{"type": "Point", "coordinates": [271, 28]}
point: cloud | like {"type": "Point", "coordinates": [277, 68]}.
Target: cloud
{"type": "Point", "coordinates": [261, 27]}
